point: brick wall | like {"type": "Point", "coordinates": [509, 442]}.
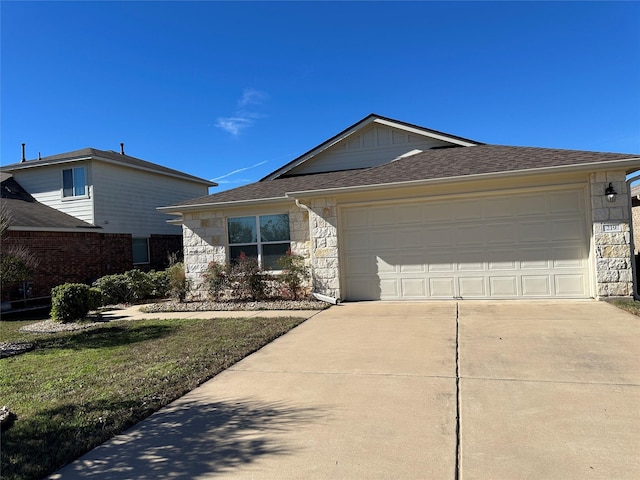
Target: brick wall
{"type": "Point", "coordinates": [70, 257]}
{"type": "Point", "coordinates": [160, 247]}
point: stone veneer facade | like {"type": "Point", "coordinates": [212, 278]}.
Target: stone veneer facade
{"type": "Point", "coordinates": [205, 240]}
{"type": "Point", "coordinates": [614, 275]}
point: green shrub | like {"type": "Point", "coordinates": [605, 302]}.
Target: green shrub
{"type": "Point", "coordinates": [95, 299]}
{"type": "Point", "coordinates": [71, 302]}
{"type": "Point", "coordinates": [294, 273]}
{"type": "Point", "coordinates": [133, 286]}
{"type": "Point", "coordinates": [246, 280]}
{"type": "Point", "coordinates": [178, 283]}
{"type": "Point", "coordinates": [217, 279]}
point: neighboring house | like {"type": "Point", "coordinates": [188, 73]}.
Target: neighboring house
{"type": "Point", "coordinates": [389, 210]}
{"type": "Point", "coordinates": [93, 194]}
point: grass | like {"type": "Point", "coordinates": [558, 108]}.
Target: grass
{"type": "Point", "coordinates": [76, 390]}
{"type": "Point", "coordinates": [628, 304]}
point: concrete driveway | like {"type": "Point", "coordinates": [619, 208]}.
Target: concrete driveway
{"type": "Point", "coordinates": [447, 390]}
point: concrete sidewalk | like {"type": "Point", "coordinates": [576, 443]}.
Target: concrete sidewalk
{"type": "Point", "coordinates": [374, 390]}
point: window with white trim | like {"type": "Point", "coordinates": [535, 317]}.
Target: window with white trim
{"type": "Point", "coordinates": [74, 182]}
{"type": "Point", "coordinates": [265, 237]}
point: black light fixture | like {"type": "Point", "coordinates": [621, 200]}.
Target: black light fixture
{"type": "Point", "coordinates": [611, 193]}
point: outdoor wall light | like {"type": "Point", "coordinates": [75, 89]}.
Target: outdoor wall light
{"type": "Point", "coordinates": [611, 193]}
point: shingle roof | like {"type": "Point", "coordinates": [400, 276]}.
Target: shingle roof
{"type": "Point", "coordinates": [274, 189]}
{"type": "Point", "coordinates": [109, 155]}
{"type": "Point", "coordinates": [25, 211]}
{"type": "Point", "coordinates": [431, 164]}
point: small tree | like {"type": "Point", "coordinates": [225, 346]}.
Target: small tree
{"type": "Point", "coordinates": [294, 273]}
{"type": "Point", "coordinates": [178, 283]}
{"type": "Point", "coordinates": [17, 262]}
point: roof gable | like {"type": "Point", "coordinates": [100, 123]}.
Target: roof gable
{"type": "Point", "coordinates": [372, 141]}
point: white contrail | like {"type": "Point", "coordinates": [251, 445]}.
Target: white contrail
{"type": "Point", "coordinates": [238, 171]}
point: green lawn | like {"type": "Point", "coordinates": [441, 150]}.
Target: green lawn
{"type": "Point", "coordinates": [76, 390]}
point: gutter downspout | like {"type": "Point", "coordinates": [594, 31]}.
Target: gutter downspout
{"type": "Point", "coordinates": [636, 294]}
{"type": "Point", "coordinates": [319, 296]}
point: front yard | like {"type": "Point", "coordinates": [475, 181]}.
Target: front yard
{"type": "Point", "coordinates": [75, 390]}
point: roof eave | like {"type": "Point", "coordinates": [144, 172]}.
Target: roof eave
{"type": "Point", "coordinates": [596, 166]}
{"type": "Point", "coordinates": [89, 229]}
{"type": "Point", "coordinates": [180, 209]}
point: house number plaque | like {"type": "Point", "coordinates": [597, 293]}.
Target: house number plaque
{"type": "Point", "coordinates": [607, 227]}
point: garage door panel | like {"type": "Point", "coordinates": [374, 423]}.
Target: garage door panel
{"type": "Point", "coordinates": [536, 231]}
{"type": "Point", "coordinates": [356, 217]}
{"type": "Point", "coordinates": [569, 285]}
{"type": "Point", "coordinates": [409, 238]}
{"type": "Point", "coordinates": [466, 210]}
{"type": "Point", "coordinates": [501, 233]}
{"type": "Point", "coordinates": [437, 237]}
{"type": "Point", "coordinates": [472, 286]}
{"type": "Point", "coordinates": [529, 205]}
{"type": "Point", "coordinates": [566, 202]}
{"type": "Point", "coordinates": [442, 287]}
{"type": "Point", "coordinates": [536, 285]}
{"type": "Point", "coordinates": [436, 212]}
{"type": "Point", "coordinates": [388, 288]}
{"type": "Point", "coordinates": [383, 216]}
{"type": "Point", "coordinates": [499, 207]}
{"type": "Point", "coordinates": [382, 240]}
{"type": "Point", "coordinates": [361, 265]}
{"type": "Point", "coordinates": [503, 286]}
{"type": "Point", "coordinates": [469, 234]}
{"type": "Point", "coordinates": [356, 241]}
{"type": "Point", "coordinates": [503, 246]}
{"type": "Point", "coordinates": [567, 229]}
{"type": "Point", "coordinates": [414, 287]}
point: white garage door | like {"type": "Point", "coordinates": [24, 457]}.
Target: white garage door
{"type": "Point", "coordinates": [507, 246]}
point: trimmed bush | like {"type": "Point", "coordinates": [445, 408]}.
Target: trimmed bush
{"type": "Point", "coordinates": [133, 286]}
{"type": "Point", "coordinates": [71, 302]}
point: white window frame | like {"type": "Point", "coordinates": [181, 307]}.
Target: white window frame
{"type": "Point", "coordinates": [258, 243]}
{"type": "Point", "coordinates": [73, 196]}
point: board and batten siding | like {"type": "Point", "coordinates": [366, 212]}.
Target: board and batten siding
{"type": "Point", "coordinates": [373, 146]}
{"type": "Point", "coordinates": [126, 200]}
{"type": "Point", "coordinates": [45, 185]}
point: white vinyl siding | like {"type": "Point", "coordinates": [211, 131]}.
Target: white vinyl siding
{"type": "Point", "coordinates": [45, 185]}
{"type": "Point", "coordinates": [504, 246]}
{"type": "Point", "coordinates": [126, 200]}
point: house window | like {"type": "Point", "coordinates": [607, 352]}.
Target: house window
{"type": "Point", "coordinates": [265, 237]}
{"type": "Point", "coordinates": [140, 250]}
{"type": "Point", "coordinates": [74, 183]}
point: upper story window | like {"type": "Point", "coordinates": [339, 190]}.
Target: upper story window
{"type": "Point", "coordinates": [265, 237]}
{"type": "Point", "coordinates": [74, 182]}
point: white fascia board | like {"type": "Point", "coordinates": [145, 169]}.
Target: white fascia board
{"type": "Point", "coordinates": [177, 209]}
{"type": "Point", "coordinates": [424, 133]}
{"type": "Point", "coordinates": [588, 167]}
{"type": "Point", "coordinates": [26, 165]}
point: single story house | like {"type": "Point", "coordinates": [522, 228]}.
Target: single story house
{"type": "Point", "coordinates": [387, 210]}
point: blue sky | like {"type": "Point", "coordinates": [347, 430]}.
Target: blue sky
{"type": "Point", "coordinates": [231, 91]}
